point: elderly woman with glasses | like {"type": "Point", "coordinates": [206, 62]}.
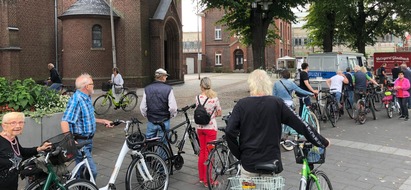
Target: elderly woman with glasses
{"type": "Point", "coordinates": [11, 152]}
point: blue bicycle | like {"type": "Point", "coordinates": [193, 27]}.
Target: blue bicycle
{"type": "Point", "coordinates": [288, 132]}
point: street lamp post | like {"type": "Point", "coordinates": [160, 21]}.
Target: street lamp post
{"type": "Point", "coordinates": [113, 40]}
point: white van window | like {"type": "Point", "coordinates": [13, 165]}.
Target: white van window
{"type": "Point", "coordinates": [352, 62]}
{"type": "Point", "coordinates": [314, 63]}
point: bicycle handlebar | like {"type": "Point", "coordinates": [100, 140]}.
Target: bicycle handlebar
{"type": "Point", "coordinates": [184, 109]}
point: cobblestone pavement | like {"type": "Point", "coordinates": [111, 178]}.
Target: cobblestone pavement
{"type": "Point", "coordinates": [373, 156]}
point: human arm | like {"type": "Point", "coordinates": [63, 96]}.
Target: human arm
{"type": "Point", "coordinates": [218, 111]}
{"type": "Point", "coordinates": [328, 81]}
{"type": "Point", "coordinates": [106, 122]}
{"type": "Point", "coordinates": [299, 90]}
{"type": "Point", "coordinates": [143, 106]}
{"type": "Point", "coordinates": [290, 118]}
{"type": "Point", "coordinates": [370, 79]}
{"type": "Point", "coordinates": [309, 87]}
{"type": "Point", "coordinates": [345, 80]}
{"type": "Point", "coordinates": [172, 104]}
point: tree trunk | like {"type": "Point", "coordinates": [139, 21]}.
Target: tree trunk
{"type": "Point", "coordinates": [259, 31]}
{"type": "Point", "coordinates": [328, 37]}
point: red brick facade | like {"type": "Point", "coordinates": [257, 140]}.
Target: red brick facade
{"type": "Point", "coordinates": [145, 41]}
{"type": "Point", "coordinates": [232, 51]}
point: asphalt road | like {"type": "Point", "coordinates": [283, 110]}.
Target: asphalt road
{"type": "Point", "coordinates": [374, 156]}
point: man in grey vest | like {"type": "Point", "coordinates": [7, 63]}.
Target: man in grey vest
{"type": "Point", "coordinates": [158, 104]}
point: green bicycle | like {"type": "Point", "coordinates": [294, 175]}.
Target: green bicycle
{"type": "Point", "coordinates": [128, 101]}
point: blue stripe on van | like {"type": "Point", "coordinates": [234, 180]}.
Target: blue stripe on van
{"type": "Point", "coordinates": [323, 74]}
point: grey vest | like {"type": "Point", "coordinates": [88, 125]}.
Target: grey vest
{"type": "Point", "coordinates": [157, 101]}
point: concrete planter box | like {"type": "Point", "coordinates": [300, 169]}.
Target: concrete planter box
{"type": "Point", "coordinates": [34, 133]}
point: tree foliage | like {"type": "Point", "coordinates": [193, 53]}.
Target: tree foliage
{"type": "Point", "coordinates": [253, 25]}
{"type": "Point", "coordinates": [357, 23]}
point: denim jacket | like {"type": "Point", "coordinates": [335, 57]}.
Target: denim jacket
{"type": "Point", "coordinates": [282, 93]}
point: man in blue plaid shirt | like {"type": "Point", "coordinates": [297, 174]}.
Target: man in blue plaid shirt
{"type": "Point", "coordinates": [79, 117]}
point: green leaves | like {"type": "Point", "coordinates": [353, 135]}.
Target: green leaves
{"type": "Point", "coordinates": [33, 99]}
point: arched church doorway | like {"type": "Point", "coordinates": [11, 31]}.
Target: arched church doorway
{"type": "Point", "coordinates": [171, 50]}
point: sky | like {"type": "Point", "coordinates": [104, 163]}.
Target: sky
{"type": "Point", "coordinates": [189, 16]}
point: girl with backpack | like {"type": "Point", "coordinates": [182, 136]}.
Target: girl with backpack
{"type": "Point", "coordinates": [207, 132]}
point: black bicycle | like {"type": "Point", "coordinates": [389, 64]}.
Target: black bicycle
{"type": "Point", "coordinates": [175, 161]}
{"type": "Point", "coordinates": [332, 107]}
{"type": "Point", "coordinates": [365, 105]}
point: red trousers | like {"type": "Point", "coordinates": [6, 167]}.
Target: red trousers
{"type": "Point", "coordinates": [204, 136]}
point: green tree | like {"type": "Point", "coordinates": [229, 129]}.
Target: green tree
{"type": "Point", "coordinates": [253, 25]}
{"type": "Point", "coordinates": [358, 23]}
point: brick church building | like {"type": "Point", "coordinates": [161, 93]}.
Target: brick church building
{"type": "Point", "coordinates": [147, 36]}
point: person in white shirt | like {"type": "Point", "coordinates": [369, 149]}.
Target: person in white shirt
{"type": "Point", "coordinates": [335, 84]}
{"type": "Point", "coordinates": [118, 83]}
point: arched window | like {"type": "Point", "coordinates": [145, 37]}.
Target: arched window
{"type": "Point", "coordinates": [97, 37]}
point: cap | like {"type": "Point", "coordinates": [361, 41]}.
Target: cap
{"type": "Point", "coordinates": [161, 72]}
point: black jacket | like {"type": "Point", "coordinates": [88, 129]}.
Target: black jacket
{"type": "Point", "coordinates": [254, 130]}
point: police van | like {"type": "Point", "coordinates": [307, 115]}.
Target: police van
{"type": "Point", "coordinates": [323, 66]}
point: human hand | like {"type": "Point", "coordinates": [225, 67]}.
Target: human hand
{"type": "Point", "coordinates": [108, 123]}
{"type": "Point", "coordinates": [44, 146]}
{"type": "Point", "coordinates": [315, 91]}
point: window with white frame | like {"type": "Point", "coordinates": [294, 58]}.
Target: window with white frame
{"type": "Point", "coordinates": [217, 33]}
{"type": "Point", "coordinates": [218, 59]}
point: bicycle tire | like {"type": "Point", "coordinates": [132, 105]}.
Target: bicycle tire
{"type": "Point", "coordinates": [129, 101]}
{"type": "Point", "coordinates": [216, 168]}
{"type": "Point", "coordinates": [313, 121]}
{"type": "Point", "coordinates": [371, 107]}
{"type": "Point", "coordinates": [331, 114]}
{"type": "Point", "coordinates": [159, 148]}
{"type": "Point", "coordinates": [349, 108]}
{"type": "Point", "coordinates": [157, 169]}
{"type": "Point", "coordinates": [81, 184]}
{"type": "Point", "coordinates": [194, 141]}
{"type": "Point", "coordinates": [39, 184]}
{"type": "Point", "coordinates": [361, 116]}
{"type": "Point", "coordinates": [102, 104]}
{"type": "Point", "coordinates": [323, 180]}
{"type": "Point", "coordinates": [390, 110]}
{"type": "Point", "coordinates": [375, 99]}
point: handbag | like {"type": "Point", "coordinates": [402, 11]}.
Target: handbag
{"type": "Point", "coordinates": [118, 89]}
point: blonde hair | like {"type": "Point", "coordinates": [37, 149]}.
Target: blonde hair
{"type": "Point", "coordinates": [259, 83]}
{"type": "Point", "coordinates": [363, 69]}
{"type": "Point", "coordinates": [83, 80]}
{"type": "Point", "coordinates": [205, 83]}
{"type": "Point", "coordinates": [11, 115]}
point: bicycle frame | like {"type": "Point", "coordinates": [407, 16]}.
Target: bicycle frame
{"type": "Point", "coordinates": [123, 152]}
{"type": "Point", "coordinates": [305, 174]}
{"type": "Point", "coordinates": [306, 116]}
{"type": "Point", "coordinates": [52, 176]}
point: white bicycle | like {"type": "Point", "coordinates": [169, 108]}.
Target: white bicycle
{"type": "Point", "coordinates": [147, 170]}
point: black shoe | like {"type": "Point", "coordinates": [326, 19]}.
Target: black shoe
{"type": "Point", "coordinates": [401, 117]}
{"type": "Point", "coordinates": [117, 107]}
{"type": "Point", "coordinates": [406, 119]}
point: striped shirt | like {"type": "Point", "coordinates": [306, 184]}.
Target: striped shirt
{"type": "Point", "coordinates": [80, 114]}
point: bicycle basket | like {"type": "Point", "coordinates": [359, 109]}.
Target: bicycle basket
{"type": "Point", "coordinates": [68, 148]}
{"type": "Point", "coordinates": [314, 155]}
{"type": "Point", "coordinates": [106, 86]}
{"type": "Point", "coordinates": [266, 183]}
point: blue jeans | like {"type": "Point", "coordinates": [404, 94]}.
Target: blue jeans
{"type": "Point", "coordinates": [350, 96]}
{"type": "Point", "coordinates": [307, 102]}
{"type": "Point", "coordinates": [87, 150]}
{"type": "Point", "coordinates": [156, 131]}
{"type": "Point", "coordinates": [337, 96]}
{"type": "Point", "coordinates": [56, 86]}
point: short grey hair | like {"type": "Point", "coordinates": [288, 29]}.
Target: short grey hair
{"type": "Point", "coordinates": [83, 80]}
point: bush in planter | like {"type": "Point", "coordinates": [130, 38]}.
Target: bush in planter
{"type": "Point", "coordinates": [33, 99]}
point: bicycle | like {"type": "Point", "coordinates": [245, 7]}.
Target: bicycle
{"type": "Point", "coordinates": [332, 107]}
{"type": "Point", "coordinates": [287, 132]}
{"type": "Point", "coordinates": [61, 153]}
{"type": "Point", "coordinates": [67, 90]}
{"type": "Point", "coordinates": [146, 170]}
{"type": "Point", "coordinates": [128, 101]}
{"type": "Point", "coordinates": [349, 108]}
{"type": "Point", "coordinates": [164, 149]}
{"type": "Point", "coordinates": [365, 105]}
{"type": "Point", "coordinates": [221, 163]}
{"type": "Point", "coordinates": [390, 101]}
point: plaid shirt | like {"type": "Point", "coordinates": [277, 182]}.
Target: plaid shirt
{"type": "Point", "coordinates": [80, 114]}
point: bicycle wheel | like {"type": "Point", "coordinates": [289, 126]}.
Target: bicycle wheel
{"type": "Point", "coordinates": [160, 149]}
{"type": "Point", "coordinates": [217, 175]}
{"type": "Point", "coordinates": [156, 167]}
{"type": "Point", "coordinates": [68, 93]}
{"type": "Point", "coordinates": [323, 182]}
{"type": "Point", "coordinates": [332, 114]}
{"type": "Point", "coordinates": [129, 101]}
{"type": "Point", "coordinates": [80, 184]}
{"type": "Point", "coordinates": [390, 110]}
{"type": "Point", "coordinates": [313, 121]}
{"type": "Point", "coordinates": [102, 104]}
{"type": "Point", "coordinates": [349, 108]}
{"type": "Point", "coordinates": [371, 107]}
{"type": "Point", "coordinates": [361, 115]}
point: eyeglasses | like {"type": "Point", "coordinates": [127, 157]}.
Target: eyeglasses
{"type": "Point", "coordinates": [91, 84]}
{"type": "Point", "coordinates": [14, 123]}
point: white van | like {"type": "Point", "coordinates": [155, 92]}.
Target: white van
{"type": "Point", "coordinates": [324, 65]}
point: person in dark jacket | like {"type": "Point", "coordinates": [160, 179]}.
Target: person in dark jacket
{"type": "Point", "coordinates": [11, 152]}
{"type": "Point", "coordinates": [254, 128]}
{"type": "Point", "coordinates": [395, 72]}
{"type": "Point", "coordinates": [407, 75]}
{"type": "Point", "coordinates": [158, 104]}
{"type": "Point", "coordinates": [54, 78]}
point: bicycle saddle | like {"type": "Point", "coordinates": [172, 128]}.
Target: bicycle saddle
{"type": "Point", "coordinates": [269, 167]}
